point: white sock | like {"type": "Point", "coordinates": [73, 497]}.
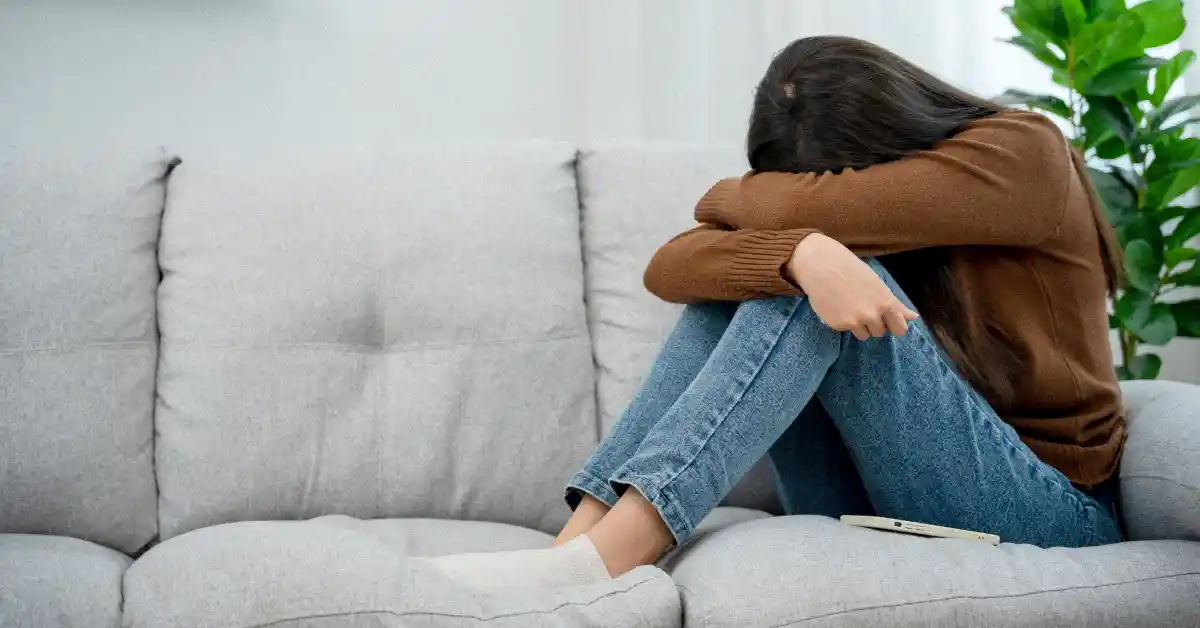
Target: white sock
{"type": "Point", "coordinates": [574, 563]}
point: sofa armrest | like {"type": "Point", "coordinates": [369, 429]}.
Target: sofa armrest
{"type": "Point", "coordinates": [1160, 469]}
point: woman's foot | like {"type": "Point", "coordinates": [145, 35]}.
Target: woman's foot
{"type": "Point", "coordinates": [587, 514]}
{"type": "Point", "coordinates": [632, 534]}
{"type": "Point", "coordinates": [574, 563]}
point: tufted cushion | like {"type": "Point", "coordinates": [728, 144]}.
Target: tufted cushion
{"type": "Point", "coordinates": [337, 572]}
{"type": "Point", "coordinates": [1160, 469]}
{"type": "Point", "coordinates": [818, 572]}
{"type": "Point", "coordinates": [78, 274]}
{"type": "Point", "coordinates": [59, 582]}
{"type": "Point", "coordinates": [374, 332]}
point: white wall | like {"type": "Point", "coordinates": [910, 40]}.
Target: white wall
{"type": "Point", "coordinates": [243, 70]}
{"type": "Point", "coordinates": [248, 70]}
{"type": "Point", "coordinates": [187, 72]}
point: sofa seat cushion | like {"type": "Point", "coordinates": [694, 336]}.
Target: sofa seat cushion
{"type": "Point", "coordinates": [59, 582]}
{"type": "Point", "coordinates": [1160, 469]}
{"type": "Point", "coordinates": [814, 571]}
{"type": "Point", "coordinates": [341, 572]}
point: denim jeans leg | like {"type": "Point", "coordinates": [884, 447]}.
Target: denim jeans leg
{"type": "Point", "coordinates": [693, 339]}
{"type": "Point", "coordinates": [931, 449]}
{"type": "Point", "coordinates": [759, 378]}
{"type": "Point", "coordinates": [814, 472]}
{"type": "Point", "coordinates": [926, 445]}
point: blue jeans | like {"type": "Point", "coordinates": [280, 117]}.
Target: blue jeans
{"type": "Point", "coordinates": [882, 426]}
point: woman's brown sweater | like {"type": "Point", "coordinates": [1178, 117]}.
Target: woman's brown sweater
{"type": "Point", "coordinates": [1003, 196]}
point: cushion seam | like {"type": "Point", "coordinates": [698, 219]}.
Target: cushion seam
{"type": "Point", "coordinates": [685, 593]}
{"type": "Point", "coordinates": [548, 611]}
{"type": "Point", "coordinates": [80, 346]}
{"type": "Point", "coordinates": [955, 598]}
{"type": "Point", "coordinates": [349, 347]}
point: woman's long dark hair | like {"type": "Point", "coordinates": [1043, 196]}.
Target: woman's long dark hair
{"type": "Point", "coordinates": [830, 103]}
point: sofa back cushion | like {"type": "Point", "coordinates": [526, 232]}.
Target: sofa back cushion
{"type": "Point", "coordinates": [376, 332]}
{"type": "Point", "coordinates": [1160, 468]}
{"type": "Point", "coordinates": [78, 274]}
{"type": "Point", "coordinates": [635, 197]}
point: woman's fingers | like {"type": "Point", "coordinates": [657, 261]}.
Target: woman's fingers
{"type": "Point", "coordinates": [896, 321]}
{"type": "Point", "coordinates": [877, 326]}
{"type": "Point", "coordinates": [861, 332]}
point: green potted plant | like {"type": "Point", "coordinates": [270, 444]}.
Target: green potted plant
{"type": "Point", "coordinates": [1117, 111]}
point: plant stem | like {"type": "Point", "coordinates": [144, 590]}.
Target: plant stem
{"type": "Point", "coordinates": [1128, 348]}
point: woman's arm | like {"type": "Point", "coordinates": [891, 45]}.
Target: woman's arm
{"type": "Point", "coordinates": [1003, 181]}
{"type": "Point", "coordinates": [714, 263]}
{"type": "Point", "coordinates": [709, 263]}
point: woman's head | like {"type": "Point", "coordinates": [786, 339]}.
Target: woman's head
{"type": "Point", "coordinates": [829, 103]}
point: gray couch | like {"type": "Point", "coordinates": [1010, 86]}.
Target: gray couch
{"type": "Point", "coordinates": [280, 372]}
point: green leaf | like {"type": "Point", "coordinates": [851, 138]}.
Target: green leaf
{"type": "Point", "coordinates": [1175, 129]}
{"type": "Point", "coordinates": [1163, 19]}
{"type": "Point", "coordinates": [1171, 108]}
{"type": "Point", "coordinates": [1124, 374]}
{"type": "Point", "coordinates": [1112, 148]}
{"type": "Point", "coordinates": [1105, 118]}
{"type": "Point", "coordinates": [1114, 322]}
{"type": "Point", "coordinates": [1133, 99]}
{"type": "Point", "coordinates": [1175, 257]}
{"type": "Point", "coordinates": [1044, 102]}
{"type": "Point", "coordinates": [1165, 76]}
{"type": "Point", "coordinates": [1133, 309]}
{"type": "Point", "coordinates": [1046, 16]}
{"type": "Point", "coordinates": [1039, 50]}
{"type": "Point", "coordinates": [1187, 317]}
{"type": "Point", "coordinates": [1074, 13]}
{"type": "Point", "coordinates": [1145, 366]}
{"type": "Point", "coordinates": [1152, 322]}
{"type": "Point", "coordinates": [1190, 277]}
{"type": "Point", "coordinates": [1141, 227]}
{"type": "Point", "coordinates": [1187, 229]}
{"type": "Point", "coordinates": [1178, 182]}
{"type": "Point", "coordinates": [1123, 76]}
{"type": "Point", "coordinates": [1160, 327]}
{"type": "Point", "coordinates": [1118, 198]}
{"type": "Point", "coordinates": [1097, 8]}
{"type": "Point", "coordinates": [1142, 265]}
{"type": "Point", "coordinates": [1171, 154]}
{"type": "Point", "coordinates": [1168, 214]}
{"type": "Point", "coordinates": [1102, 44]}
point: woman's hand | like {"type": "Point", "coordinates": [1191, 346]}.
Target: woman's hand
{"type": "Point", "coordinates": [844, 291]}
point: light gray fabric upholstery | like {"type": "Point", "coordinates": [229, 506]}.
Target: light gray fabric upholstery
{"type": "Point", "coordinates": [77, 341]}
{"type": "Point", "coordinates": [373, 332]}
{"type": "Point", "coordinates": [814, 571]}
{"type": "Point", "coordinates": [1160, 469]}
{"type": "Point", "coordinates": [339, 572]}
{"type": "Point", "coordinates": [58, 582]}
{"type": "Point", "coordinates": [635, 197]}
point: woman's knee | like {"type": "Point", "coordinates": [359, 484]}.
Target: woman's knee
{"type": "Point", "coordinates": [771, 305]}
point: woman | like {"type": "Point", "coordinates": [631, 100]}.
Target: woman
{"type": "Point", "coordinates": [877, 191]}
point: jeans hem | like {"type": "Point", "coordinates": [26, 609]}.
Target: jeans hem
{"type": "Point", "coordinates": [585, 482]}
{"type": "Point", "coordinates": [679, 524]}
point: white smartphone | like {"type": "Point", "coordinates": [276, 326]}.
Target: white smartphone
{"type": "Point", "coordinates": [920, 529]}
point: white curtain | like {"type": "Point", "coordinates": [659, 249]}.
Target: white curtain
{"type": "Point", "coordinates": [181, 72]}
{"type": "Point", "coordinates": [686, 69]}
